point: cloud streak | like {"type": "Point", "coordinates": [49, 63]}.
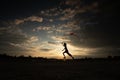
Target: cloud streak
{"type": "Point", "coordinates": [31, 18]}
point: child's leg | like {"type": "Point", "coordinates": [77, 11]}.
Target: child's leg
{"type": "Point", "coordinates": [70, 55]}
{"type": "Point", "coordinates": [64, 55]}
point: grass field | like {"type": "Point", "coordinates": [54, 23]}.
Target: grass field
{"type": "Point", "coordinates": [60, 70]}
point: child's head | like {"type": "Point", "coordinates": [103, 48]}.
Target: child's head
{"type": "Point", "coordinates": [64, 44]}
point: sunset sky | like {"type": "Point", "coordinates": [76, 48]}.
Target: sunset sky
{"type": "Point", "coordinates": [38, 28]}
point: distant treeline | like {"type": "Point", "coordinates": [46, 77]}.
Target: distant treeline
{"type": "Point", "coordinates": [5, 57]}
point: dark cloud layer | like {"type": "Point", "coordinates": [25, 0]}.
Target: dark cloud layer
{"type": "Point", "coordinates": [10, 9]}
{"type": "Point", "coordinates": [102, 28]}
{"type": "Point", "coordinates": [12, 35]}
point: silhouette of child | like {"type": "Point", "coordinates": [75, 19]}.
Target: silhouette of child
{"type": "Point", "coordinates": [66, 51]}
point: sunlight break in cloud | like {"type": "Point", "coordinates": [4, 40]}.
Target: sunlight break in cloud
{"type": "Point", "coordinates": [45, 28]}
{"type": "Point", "coordinates": [61, 38]}
{"type": "Point", "coordinates": [33, 39]}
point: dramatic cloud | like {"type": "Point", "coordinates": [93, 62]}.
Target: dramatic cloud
{"type": "Point", "coordinates": [31, 18]}
{"type": "Point", "coordinates": [13, 34]}
{"type": "Point", "coordinates": [15, 41]}
{"type": "Point", "coordinates": [45, 28]}
{"type": "Point", "coordinates": [89, 27]}
{"type": "Point", "coordinates": [77, 8]}
{"type": "Point", "coordinates": [10, 35]}
{"type": "Point", "coordinates": [68, 14]}
{"type": "Point", "coordinates": [61, 38]}
{"type": "Point", "coordinates": [53, 43]}
{"type": "Point", "coordinates": [72, 2]}
{"type": "Point", "coordinates": [45, 50]}
{"type": "Point", "coordinates": [33, 39]}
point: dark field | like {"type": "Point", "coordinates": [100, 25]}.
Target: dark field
{"type": "Point", "coordinates": [60, 70]}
